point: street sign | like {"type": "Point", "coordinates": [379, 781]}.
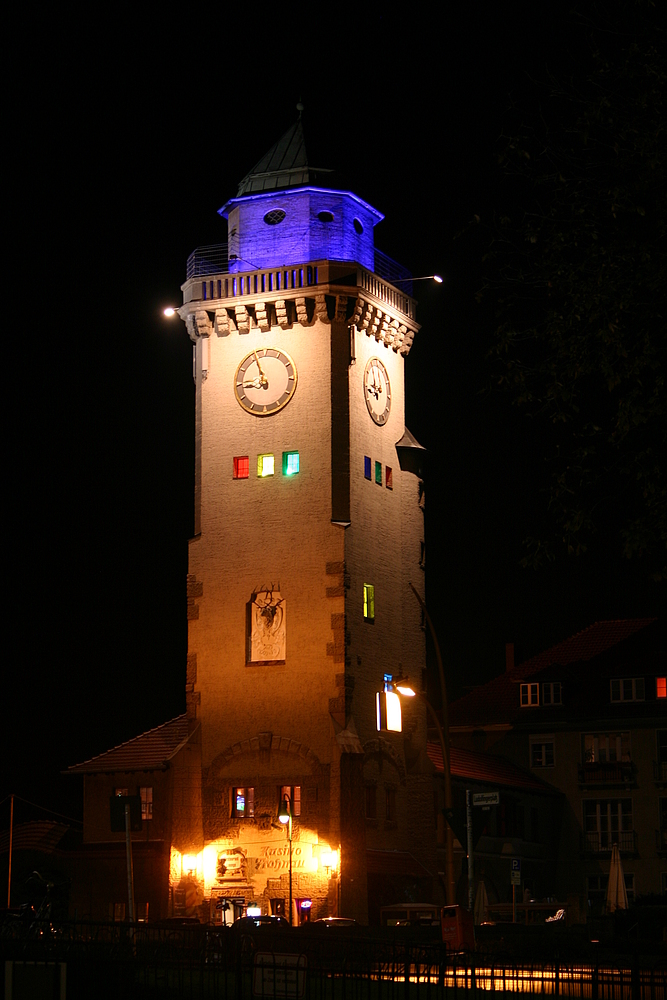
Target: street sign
{"type": "Point", "coordinates": [485, 798]}
{"type": "Point", "coordinates": [515, 874]}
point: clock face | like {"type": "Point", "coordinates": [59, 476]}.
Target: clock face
{"type": "Point", "coordinates": [377, 391]}
{"type": "Point", "coordinates": [265, 381]}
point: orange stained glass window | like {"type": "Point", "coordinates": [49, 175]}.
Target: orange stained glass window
{"type": "Point", "coordinates": [661, 687]}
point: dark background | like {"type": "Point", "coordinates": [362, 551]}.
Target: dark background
{"type": "Point", "coordinates": [124, 137]}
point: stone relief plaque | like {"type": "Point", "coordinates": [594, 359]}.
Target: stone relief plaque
{"type": "Point", "coordinates": [266, 627]}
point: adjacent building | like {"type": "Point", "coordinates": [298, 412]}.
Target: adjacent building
{"type": "Point", "coordinates": [587, 717]}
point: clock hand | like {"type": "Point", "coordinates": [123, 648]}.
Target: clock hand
{"type": "Point", "coordinates": [265, 381]}
{"type": "Point", "coordinates": [257, 383]}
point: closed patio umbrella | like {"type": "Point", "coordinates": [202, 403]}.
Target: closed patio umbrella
{"type": "Point", "coordinates": [617, 897]}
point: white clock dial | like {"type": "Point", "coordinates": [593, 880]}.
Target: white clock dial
{"type": "Point", "coordinates": [265, 381]}
{"type": "Point", "coordinates": [377, 391]}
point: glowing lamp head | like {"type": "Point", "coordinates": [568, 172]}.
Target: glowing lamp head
{"type": "Point", "coordinates": [169, 312]}
{"type": "Point", "coordinates": [436, 277]}
{"type": "Point", "coordinates": [405, 690]}
{"type": "Point", "coordinates": [284, 813]}
{"type": "Point", "coordinates": [189, 863]}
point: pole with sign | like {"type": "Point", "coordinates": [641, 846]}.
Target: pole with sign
{"type": "Point", "coordinates": [515, 876]}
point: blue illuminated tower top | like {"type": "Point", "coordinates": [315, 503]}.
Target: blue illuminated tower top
{"type": "Point", "coordinates": [279, 217]}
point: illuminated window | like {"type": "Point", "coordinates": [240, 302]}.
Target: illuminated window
{"type": "Point", "coordinates": [661, 687]}
{"type": "Point", "coordinates": [627, 689]}
{"type": "Point", "coordinates": [530, 695]}
{"type": "Point", "coordinates": [390, 804]}
{"type": "Point", "coordinates": [551, 693]}
{"type": "Point", "coordinates": [146, 802]}
{"type": "Point", "coordinates": [241, 467]}
{"type": "Point", "coordinates": [367, 467]}
{"type": "Point", "coordinates": [542, 751]}
{"type": "Point", "coordinates": [293, 795]}
{"type": "Point", "coordinates": [265, 465]}
{"type": "Point", "coordinates": [389, 478]}
{"type": "Point", "coordinates": [243, 802]}
{"type": "Point", "coordinates": [290, 463]}
{"type": "Point", "coordinates": [369, 602]}
{"type": "Point", "coordinates": [371, 802]}
{"type": "Point", "coordinates": [378, 473]}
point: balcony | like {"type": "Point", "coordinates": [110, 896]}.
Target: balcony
{"type": "Point", "coordinates": [660, 771]}
{"type": "Point", "coordinates": [601, 843]}
{"type": "Point", "coordinates": [609, 773]}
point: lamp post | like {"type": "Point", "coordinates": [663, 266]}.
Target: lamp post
{"type": "Point", "coordinates": [444, 741]}
{"type": "Point", "coordinates": [285, 817]}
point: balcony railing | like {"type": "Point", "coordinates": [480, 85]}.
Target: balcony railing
{"type": "Point", "coordinates": [607, 773]}
{"type": "Point", "coordinates": [214, 259]}
{"type": "Point", "coordinates": [660, 770]}
{"type": "Point", "coordinates": [602, 843]}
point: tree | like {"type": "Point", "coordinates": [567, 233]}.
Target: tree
{"type": "Point", "coordinates": [576, 267]}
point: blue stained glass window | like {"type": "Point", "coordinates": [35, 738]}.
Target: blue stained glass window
{"type": "Point", "coordinates": [367, 467]}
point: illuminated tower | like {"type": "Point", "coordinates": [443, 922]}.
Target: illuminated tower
{"type": "Point", "coordinates": [309, 525]}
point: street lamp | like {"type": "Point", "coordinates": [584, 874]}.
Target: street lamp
{"type": "Point", "coordinates": [285, 817]}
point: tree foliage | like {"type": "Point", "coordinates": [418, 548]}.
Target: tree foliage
{"type": "Point", "coordinates": [576, 266]}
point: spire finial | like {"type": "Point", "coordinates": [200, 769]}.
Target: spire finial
{"type": "Point", "coordinates": [299, 107]}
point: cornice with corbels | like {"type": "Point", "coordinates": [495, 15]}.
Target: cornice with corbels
{"type": "Point", "coordinates": [370, 317]}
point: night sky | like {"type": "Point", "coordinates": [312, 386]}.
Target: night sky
{"type": "Point", "coordinates": [124, 137]}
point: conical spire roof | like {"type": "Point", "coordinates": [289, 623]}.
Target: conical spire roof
{"type": "Point", "coordinates": [284, 166]}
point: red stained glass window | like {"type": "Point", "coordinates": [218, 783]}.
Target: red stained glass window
{"type": "Point", "coordinates": [241, 467]}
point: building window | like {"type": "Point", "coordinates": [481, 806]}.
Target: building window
{"type": "Point", "coordinates": [390, 804]}
{"type": "Point", "coordinates": [542, 751]}
{"type": "Point", "coordinates": [608, 822]}
{"type": "Point", "coordinates": [371, 802]}
{"type": "Point", "coordinates": [662, 835]}
{"type": "Point", "coordinates": [422, 555]}
{"type": "Point", "coordinates": [378, 473]}
{"type": "Point", "coordinates": [388, 478]}
{"type": "Point", "coordinates": [146, 802]}
{"type": "Point", "coordinates": [293, 795]}
{"type": "Point", "coordinates": [120, 792]}
{"type": "Point", "coordinates": [606, 748]}
{"type": "Point", "coordinates": [530, 695]}
{"type": "Point", "coordinates": [278, 907]}
{"type": "Point", "coordinates": [661, 687]}
{"type": "Point", "coordinates": [662, 746]}
{"type": "Point", "coordinates": [367, 467]}
{"type": "Point", "coordinates": [265, 465]}
{"type": "Point", "coordinates": [142, 913]}
{"type": "Point", "coordinates": [241, 467]}
{"type": "Point", "coordinates": [290, 463]}
{"type": "Point", "coordinates": [117, 912]}
{"type": "Point", "coordinates": [627, 689]}
{"type": "Point", "coordinates": [243, 802]}
{"type": "Point", "coordinates": [551, 693]}
{"type": "Point", "coordinates": [369, 602]}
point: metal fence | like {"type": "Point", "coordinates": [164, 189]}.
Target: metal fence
{"type": "Point", "coordinates": [119, 961]}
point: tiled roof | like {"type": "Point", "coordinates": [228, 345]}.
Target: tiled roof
{"type": "Point", "coordinates": [38, 835]}
{"type": "Point", "coordinates": [498, 700]}
{"type": "Point", "coordinates": [486, 768]}
{"type": "Point", "coordinates": [395, 863]}
{"type": "Point", "coordinates": [147, 752]}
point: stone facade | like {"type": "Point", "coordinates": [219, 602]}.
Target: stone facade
{"type": "Point", "coordinates": [307, 719]}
